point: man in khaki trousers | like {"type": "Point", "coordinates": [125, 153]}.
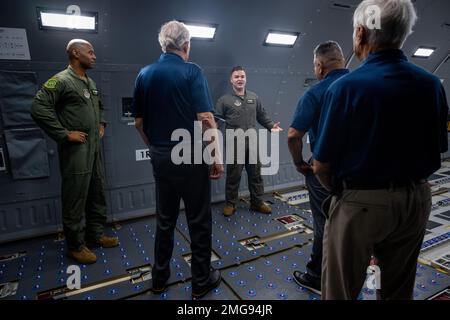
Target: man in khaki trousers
{"type": "Point", "coordinates": [383, 129]}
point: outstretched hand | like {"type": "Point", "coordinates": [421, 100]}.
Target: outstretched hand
{"type": "Point", "coordinates": [276, 127]}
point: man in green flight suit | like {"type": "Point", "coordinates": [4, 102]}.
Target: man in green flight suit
{"type": "Point", "coordinates": [68, 108]}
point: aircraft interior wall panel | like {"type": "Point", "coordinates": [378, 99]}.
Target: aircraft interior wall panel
{"type": "Point", "coordinates": [123, 141]}
{"type": "Point", "coordinates": [13, 191]}
{"type": "Point", "coordinates": [29, 219]}
{"type": "Point", "coordinates": [132, 202]}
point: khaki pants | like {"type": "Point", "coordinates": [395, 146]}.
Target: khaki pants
{"type": "Point", "coordinates": [389, 224]}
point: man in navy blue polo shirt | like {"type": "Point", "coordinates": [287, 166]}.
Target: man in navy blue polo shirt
{"type": "Point", "coordinates": [173, 94]}
{"type": "Point", "coordinates": [329, 66]}
{"type": "Point", "coordinates": [382, 132]}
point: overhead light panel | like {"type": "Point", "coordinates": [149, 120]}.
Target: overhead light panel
{"type": "Point", "coordinates": [207, 32]}
{"type": "Point", "coordinates": [424, 52]}
{"type": "Point", "coordinates": [280, 38]}
{"type": "Point", "coordinates": [53, 20]}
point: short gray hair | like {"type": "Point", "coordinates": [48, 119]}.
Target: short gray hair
{"type": "Point", "coordinates": [173, 36]}
{"type": "Point", "coordinates": [398, 18]}
{"type": "Point", "coordinates": [330, 51]}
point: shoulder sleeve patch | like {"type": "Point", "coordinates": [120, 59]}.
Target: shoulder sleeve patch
{"type": "Point", "coordinates": [51, 84]}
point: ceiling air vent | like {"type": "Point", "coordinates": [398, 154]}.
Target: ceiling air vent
{"type": "Point", "coordinates": [344, 5]}
{"type": "Point", "coordinates": [341, 6]}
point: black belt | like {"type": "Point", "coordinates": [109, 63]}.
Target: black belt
{"type": "Point", "coordinates": [355, 185]}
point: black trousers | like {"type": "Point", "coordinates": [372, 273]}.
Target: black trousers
{"type": "Point", "coordinates": [317, 196]}
{"type": "Point", "coordinates": [191, 183]}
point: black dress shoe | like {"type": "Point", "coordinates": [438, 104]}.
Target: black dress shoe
{"type": "Point", "coordinates": [158, 288]}
{"type": "Point", "coordinates": [307, 281]}
{"type": "Point", "coordinates": [214, 280]}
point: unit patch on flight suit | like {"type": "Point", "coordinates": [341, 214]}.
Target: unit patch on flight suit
{"type": "Point", "coordinates": [51, 84]}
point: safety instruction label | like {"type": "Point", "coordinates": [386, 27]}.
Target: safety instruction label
{"type": "Point", "coordinates": [14, 44]}
{"type": "Point", "coordinates": [143, 155]}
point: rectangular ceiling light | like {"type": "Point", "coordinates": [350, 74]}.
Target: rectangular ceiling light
{"type": "Point", "coordinates": [52, 20]}
{"type": "Point", "coordinates": [424, 52]}
{"type": "Point", "coordinates": [278, 38]}
{"type": "Point", "coordinates": [201, 32]}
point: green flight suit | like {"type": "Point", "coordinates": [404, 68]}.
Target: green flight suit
{"type": "Point", "coordinates": [66, 103]}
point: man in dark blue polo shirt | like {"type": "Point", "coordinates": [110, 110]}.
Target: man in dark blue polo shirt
{"type": "Point", "coordinates": [329, 66]}
{"type": "Point", "coordinates": [172, 94]}
{"type": "Point", "coordinates": [382, 132]}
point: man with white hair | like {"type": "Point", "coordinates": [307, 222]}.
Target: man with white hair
{"type": "Point", "coordinates": [173, 94]}
{"type": "Point", "coordinates": [383, 129]}
{"type": "Point", "coordinates": [69, 109]}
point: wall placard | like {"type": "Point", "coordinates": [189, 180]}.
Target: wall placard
{"type": "Point", "coordinates": [14, 44]}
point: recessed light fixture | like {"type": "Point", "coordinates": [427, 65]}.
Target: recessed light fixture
{"type": "Point", "coordinates": [199, 31]}
{"type": "Point", "coordinates": [424, 52]}
{"type": "Point", "coordinates": [281, 38]}
{"type": "Point", "coordinates": [59, 20]}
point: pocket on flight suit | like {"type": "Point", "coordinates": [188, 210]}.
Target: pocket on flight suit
{"type": "Point", "coordinates": [233, 117]}
{"type": "Point", "coordinates": [77, 113]}
{"type": "Point", "coordinates": [75, 158]}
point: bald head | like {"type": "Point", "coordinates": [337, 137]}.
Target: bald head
{"type": "Point", "coordinates": [74, 45]}
{"type": "Point", "coordinates": [81, 52]}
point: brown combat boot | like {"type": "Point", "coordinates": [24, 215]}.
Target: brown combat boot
{"type": "Point", "coordinates": [84, 256]}
{"type": "Point", "coordinates": [104, 242]}
{"type": "Point", "coordinates": [229, 210]}
{"type": "Point", "coordinates": [108, 242]}
{"type": "Point", "coordinates": [262, 208]}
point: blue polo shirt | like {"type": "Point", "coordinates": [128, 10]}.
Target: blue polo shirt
{"type": "Point", "coordinates": [168, 95]}
{"type": "Point", "coordinates": [385, 121]}
{"type": "Point", "coordinates": [307, 114]}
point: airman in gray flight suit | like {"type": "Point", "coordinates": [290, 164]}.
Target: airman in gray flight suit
{"type": "Point", "coordinates": [241, 109]}
{"type": "Point", "coordinates": [68, 108]}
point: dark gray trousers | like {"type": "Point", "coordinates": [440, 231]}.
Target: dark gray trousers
{"type": "Point", "coordinates": [255, 181]}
